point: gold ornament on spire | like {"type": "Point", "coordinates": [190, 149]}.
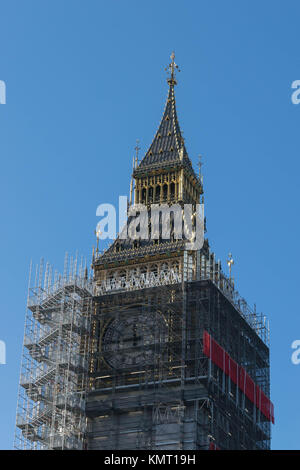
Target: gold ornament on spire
{"type": "Point", "coordinates": [97, 233]}
{"type": "Point", "coordinates": [137, 148]}
{"type": "Point", "coordinates": [171, 69]}
{"type": "Point", "coordinates": [230, 262]}
{"type": "Point", "coordinates": [200, 165]}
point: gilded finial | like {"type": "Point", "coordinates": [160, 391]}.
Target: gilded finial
{"type": "Point", "coordinates": [200, 165]}
{"type": "Point", "coordinates": [131, 182]}
{"type": "Point", "coordinates": [230, 262]}
{"type": "Point", "coordinates": [97, 233]}
{"type": "Point", "coordinates": [137, 148]}
{"type": "Point", "coordinates": [171, 69]}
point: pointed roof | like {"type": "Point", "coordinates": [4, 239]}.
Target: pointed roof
{"type": "Point", "coordinates": [167, 146]}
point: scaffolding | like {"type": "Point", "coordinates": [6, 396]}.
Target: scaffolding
{"type": "Point", "coordinates": [54, 371]}
{"type": "Point", "coordinates": [122, 365]}
{"type": "Point", "coordinates": [152, 385]}
{"type": "Point", "coordinates": [196, 266]}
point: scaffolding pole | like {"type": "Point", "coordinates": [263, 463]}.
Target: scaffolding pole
{"type": "Point", "coordinates": [54, 371]}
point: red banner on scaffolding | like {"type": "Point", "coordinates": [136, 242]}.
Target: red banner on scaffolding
{"type": "Point", "coordinates": [238, 375]}
{"type": "Point", "coordinates": [213, 446]}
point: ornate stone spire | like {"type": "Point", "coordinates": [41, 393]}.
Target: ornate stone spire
{"type": "Point", "coordinates": [167, 146]}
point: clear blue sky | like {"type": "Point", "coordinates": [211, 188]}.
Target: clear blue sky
{"type": "Point", "coordinates": [85, 80]}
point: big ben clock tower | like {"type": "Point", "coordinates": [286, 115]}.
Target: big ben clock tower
{"type": "Point", "coordinates": [156, 349]}
{"type": "Point", "coordinates": [171, 337]}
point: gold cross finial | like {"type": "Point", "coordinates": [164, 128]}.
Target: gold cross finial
{"type": "Point", "coordinates": [171, 68]}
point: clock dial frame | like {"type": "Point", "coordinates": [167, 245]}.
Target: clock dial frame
{"type": "Point", "coordinates": [131, 340]}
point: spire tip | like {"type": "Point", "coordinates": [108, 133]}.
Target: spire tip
{"type": "Point", "coordinates": [171, 70]}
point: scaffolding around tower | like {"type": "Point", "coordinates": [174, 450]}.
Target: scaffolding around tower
{"type": "Point", "coordinates": [54, 371]}
{"type": "Point", "coordinates": [155, 383]}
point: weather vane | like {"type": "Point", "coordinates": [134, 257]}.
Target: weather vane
{"type": "Point", "coordinates": [171, 69]}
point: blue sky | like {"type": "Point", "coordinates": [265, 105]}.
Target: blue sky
{"type": "Point", "coordinates": [85, 80]}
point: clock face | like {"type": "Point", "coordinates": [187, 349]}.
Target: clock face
{"type": "Point", "coordinates": [132, 341]}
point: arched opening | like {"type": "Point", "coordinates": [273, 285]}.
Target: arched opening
{"type": "Point", "coordinates": [157, 194]}
{"type": "Point", "coordinates": [154, 269]}
{"type": "Point", "coordinates": [123, 278]}
{"type": "Point", "coordinates": [175, 267]}
{"type": "Point", "coordinates": [164, 267]}
{"type": "Point", "coordinates": [150, 194]}
{"type": "Point", "coordinates": [172, 190]}
{"type": "Point", "coordinates": [165, 192]}
{"type": "Point", "coordinates": [143, 270]}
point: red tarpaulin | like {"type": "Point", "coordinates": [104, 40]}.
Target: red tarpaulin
{"type": "Point", "coordinates": [238, 375]}
{"type": "Point", "coordinates": [213, 446]}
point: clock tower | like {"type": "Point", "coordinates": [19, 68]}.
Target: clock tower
{"type": "Point", "coordinates": [178, 359]}
{"type": "Point", "coordinates": [156, 349]}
